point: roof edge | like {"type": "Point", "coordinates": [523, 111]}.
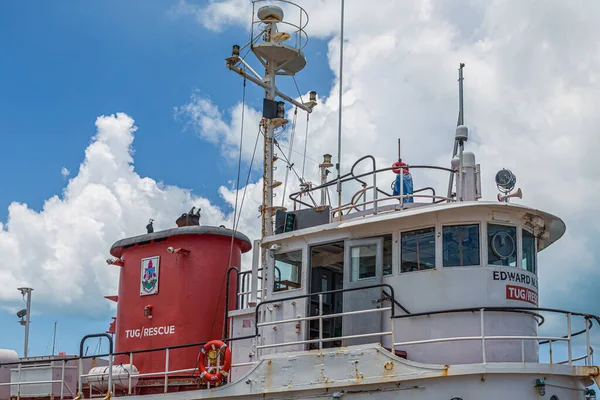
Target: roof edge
{"type": "Point", "coordinates": [116, 249]}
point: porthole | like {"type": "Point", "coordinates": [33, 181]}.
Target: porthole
{"type": "Point", "coordinates": [554, 397]}
{"type": "Point", "coordinates": [503, 245]}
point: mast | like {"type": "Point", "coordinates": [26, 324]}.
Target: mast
{"type": "Point", "coordinates": [54, 339]}
{"type": "Point", "coordinates": [271, 48]}
{"type": "Point", "coordinates": [461, 121]}
{"type": "Point", "coordinates": [339, 162]}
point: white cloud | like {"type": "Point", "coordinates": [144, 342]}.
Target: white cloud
{"type": "Point", "coordinates": [61, 250]}
{"type": "Point", "coordinates": [530, 92]}
{"type": "Point", "coordinates": [64, 172]}
{"type": "Point", "coordinates": [216, 15]}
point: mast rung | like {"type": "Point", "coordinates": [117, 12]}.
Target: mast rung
{"type": "Point", "coordinates": [275, 208]}
{"type": "Point", "coordinates": [275, 184]}
{"type": "Point", "coordinates": [277, 122]}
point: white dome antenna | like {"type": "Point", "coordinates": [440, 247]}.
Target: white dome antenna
{"type": "Point", "coordinates": [270, 13]}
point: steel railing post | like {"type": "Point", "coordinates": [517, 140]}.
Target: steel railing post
{"type": "Point", "coordinates": [62, 380]}
{"type": "Point", "coordinates": [393, 322]}
{"type": "Point", "coordinates": [130, 371]}
{"type": "Point", "coordinates": [482, 335]}
{"type": "Point", "coordinates": [320, 322]}
{"type": "Point", "coordinates": [110, 373]}
{"type": "Point", "coordinates": [19, 383]}
{"type": "Point", "coordinates": [550, 345]}
{"type": "Point", "coordinates": [523, 351]}
{"type": "Point", "coordinates": [587, 342]}
{"type": "Point", "coordinates": [166, 369]}
{"type": "Point", "coordinates": [79, 378]}
{"type": "Point", "coordinates": [569, 338]}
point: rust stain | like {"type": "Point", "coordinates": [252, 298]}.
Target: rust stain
{"type": "Point", "coordinates": [388, 368]}
{"type": "Point", "coordinates": [269, 375]}
{"type": "Point", "coordinates": [358, 375]}
{"type": "Point", "coordinates": [445, 370]}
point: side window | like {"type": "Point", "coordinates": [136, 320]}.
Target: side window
{"type": "Point", "coordinates": [502, 245]}
{"type": "Point", "coordinates": [528, 261]}
{"type": "Point", "coordinates": [418, 250]}
{"type": "Point", "coordinates": [388, 245]}
{"type": "Point", "coordinates": [461, 245]}
{"type": "Point", "coordinates": [363, 262]}
{"type": "Point", "coordinates": [288, 270]}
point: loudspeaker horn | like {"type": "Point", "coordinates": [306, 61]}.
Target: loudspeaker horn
{"type": "Point", "coordinates": [518, 193]}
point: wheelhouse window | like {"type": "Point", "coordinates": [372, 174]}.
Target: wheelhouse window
{"type": "Point", "coordinates": [502, 245]}
{"type": "Point", "coordinates": [418, 250]}
{"type": "Point", "coordinates": [388, 245]}
{"type": "Point", "coordinates": [288, 270]}
{"type": "Point", "coordinates": [461, 245]}
{"type": "Point", "coordinates": [363, 262]}
{"type": "Point", "coordinates": [529, 250]}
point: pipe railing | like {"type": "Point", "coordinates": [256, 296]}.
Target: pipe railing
{"type": "Point", "coordinates": [350, 176]}
{"type": "Point", "coordinates": [483, 337]}
{"type": "Point", "coordinates": [320, 317]}
{"type": "Point", "coordinates": [63, 383]}
{"type": "Point", "coordinates": [533, 311]}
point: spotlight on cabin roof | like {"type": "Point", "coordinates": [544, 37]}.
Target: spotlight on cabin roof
{"type": "Point", "coordinates": [506, 180]}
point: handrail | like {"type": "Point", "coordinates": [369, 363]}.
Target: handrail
{"type": "Point", "coordinates": [529, 310]}
{"type": "Point", "coordinates": [237, 288]}
{"type": "Point", "coordinates": [350, 176]}
{"type": "Point", "coordinates": [532, 311]}
{"type": "Point", "coordinates": [396, 302]}
{"type": "Point", "coordinates": [303, 296]}
{"type": "Point", "coordinates": [376, 201]}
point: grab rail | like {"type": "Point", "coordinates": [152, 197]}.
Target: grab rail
{"type": "Point", "coordinates": [350, 176]}
{"type": "Point", "coordinates": [388, 294]}
{"type": "Point", "coordinates": [534, 311]}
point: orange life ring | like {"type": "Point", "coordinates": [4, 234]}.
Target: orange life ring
{"type": "Point", "coordinates": [213, 350]}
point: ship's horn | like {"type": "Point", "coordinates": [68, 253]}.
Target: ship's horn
{"type": "Point", "coordinates": [518, 193]}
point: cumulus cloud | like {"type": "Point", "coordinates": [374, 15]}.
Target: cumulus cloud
{"type": "Point", "coordinates": [61, 250]}
{"type": "Point", "coordinates": [530, 91]}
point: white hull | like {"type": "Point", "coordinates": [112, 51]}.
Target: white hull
{"type": "Point", "coordinates": [371, 372]}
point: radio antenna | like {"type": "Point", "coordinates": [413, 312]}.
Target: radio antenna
{"type": "Point", "coordinates": [461, 120]}
{"type": "Point", "coordinates": [339, 160]}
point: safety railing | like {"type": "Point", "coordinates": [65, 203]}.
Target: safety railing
{"type": "Point", "coordinates": [534, 311]}
{"type": "Point", "coordinates": [321, 316]}
{"type": "Point", "coordinates": [61, 381]}
{"type": "Point", "coordinates": [388, 295]}
{"type": "Point", "coordinates": [359, 198]}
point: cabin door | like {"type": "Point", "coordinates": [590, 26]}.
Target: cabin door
{"type": "Point", "coordinates": [363, 267]}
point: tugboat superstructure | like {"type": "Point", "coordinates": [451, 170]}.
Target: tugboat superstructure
{"type": "Point", "coordinates": [397, 292]}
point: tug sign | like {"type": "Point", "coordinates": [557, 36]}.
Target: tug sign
{"type": "Point", "coordinates": [522, 294]}
{"type": "Point", "coordinates": [152, 331]}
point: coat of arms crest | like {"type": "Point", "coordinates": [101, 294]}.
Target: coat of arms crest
{"type": "Point", "coordinates": [149, 278]}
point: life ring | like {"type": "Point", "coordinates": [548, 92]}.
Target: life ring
{"type": "Point", "coordinates": [213, 350]}
{"type": "Point", "coordinates": [396, 169]}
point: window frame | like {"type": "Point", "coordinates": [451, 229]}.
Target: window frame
{"type": "Point", "coordinates": [463, 223]}
{"type": "Point", "coordinates": [350, 243]}
{"type": "Point", "coordinates": [302, 271]}
{"type": "Point", "coordinates": [436, 232]}
{"type": "Point", "coordinates": [535, 246]}
{"type": "Point", "coordinates": [395, 252]}
{"type": "Point", "coordinates": [518, 244]}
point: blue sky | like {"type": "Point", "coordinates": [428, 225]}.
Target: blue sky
{"type": "Point", "coordinates": [65, 63]}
